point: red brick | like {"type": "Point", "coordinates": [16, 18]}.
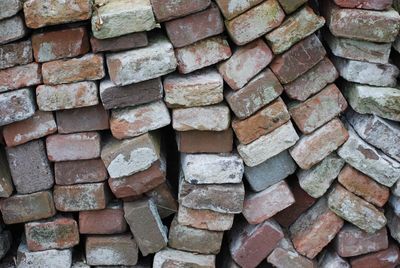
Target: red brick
{"type": "Point", "coordinates": [128, 41]}
{"type": "Point", "coordinates": [78, 146]}
{"type": "Point", "coordinates": [388, 258]}
{"type": "Point", "coordinates": [252, 57]}
{"type": "Point", "coordinates": [187, 30]}
{"type": "Point", "coordinates": [17, 53]}
{"type": "Point", "coordinates": [39, 125]}
{"type": "Point", "coordinates": [170, 9]}
{"type": "Point", "coordinates": [83, 171]}
{"type": "Point", "coordinates": [20, 76]}
{"type": "Point", "coordinates": [233, 8]}
{"type": "Point", "coordinates": [65, 43]}
{"type": "Point", "coordinates": [283, 258]}
{"type": "Point", "coordinates": [205, 141]}
{"type": "Point", "coordinates": [365, 4]}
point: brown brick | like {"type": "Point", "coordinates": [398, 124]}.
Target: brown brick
{"type": "Point", "coordinates": [195, 141]}
{"type": "Point", "coordinates": [204, 219]}
{"type": "Point", "coordinates": [83, 171]}
{"type": "Point", "coordinates": [17, 53]}
{"type": "Point", "coordinates": [128, 41]}
{"type": "Point", "coordinates": [387, 258]}
{"type": "Point", "coordinates": [170, 9]}
{"type": "Point", "coordinates": [20, 76]}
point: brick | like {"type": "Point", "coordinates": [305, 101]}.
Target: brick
{"type": "Point", "coordinates": [211, 118]}
{"type": "Point", "coordinates": [330, 258]}
{"type": "Point", "coordinates": [317, 78]}
{"type": "Point", "coordinates": [30, 170]}
{"type": "Point", "coordinates": [194, 240]}
{"type": "Point", "coordinates": [295, 28]}
{"type": "Point", "coordinates": [358, 50]}
{"type": "Point", "coordinates": [317, 180]}
{"type": "Point", "coordinates": [142, 64]}
{"type": "Point", "coordinates": [195, 141]}
{"type": "Point", "coordinates": [140, 182]}
{"type": "Point", "coordinates": [363, 186]}
{"type": "Point", "coordinates": [312, 149]}
{"type": "Point", "coordinates": [145, 223]}
{"type": "Point", "coordinates": [356, 23]}
{"type": "Point", "coordinates": [121, 17]}
{"type": "Point", "coordinates": [40, 13]}
{"type": "Point", "coordinates": [127, 157]}
{"type": "Point", "coordinates": [16, 106]}
{"type": "Point", "coordinates": [255, 56]}
{"type": "Point", "coordinates": [303, 201]}
{"type": "Point", "coordinates": [379, 132]}
{"type": "Point", "coordinates": [298, 59]}
{"type": "Point", "coordinates": [394, 202]}
{"type": "Point", "coordinates": [171, 9]}
{"type": "Point", "coordinates": [82, 171]}
{"type": "Point", "coordinates": [282, 258]}
{"type": "Point", "coordinates": [113, 96]}
{"type": "Point", "coordinates": [233, 8]}
{"type": "Point", "coordinates": [111, 250]}
{"type": "Point", "coordinates": [318, 110]}
{"type": "Point", "coordinates": [91, 196]}
{"type": "Point", "coordinates": [125, 42]}
{"type": "Point", "coordinates": [255, 22]}
{"type": "Point", "coordinates": [225, 198]}
{"type": "Point", "coordinates": [202, 54]}
{"type": "Point", "coordinates": [30, 207]}
{"type": "Point", "coordinates": [10, 8]}
{"type": "Point", "coordinates": [250, 244]}
{"type": "Point", "coordinates": [204, 219]}
{"type": "Point", "coordinates": [369, 4]}
{"type": "Point", "coordinates": [105, 221]}
{"type": "Point", "coordinates": [261, 90]}
{"type": "Point", "coordinates": [54, 233]}
{"type": "Point", "coordinates": [172, 258]}
{"type": "Point", "coordinates": [201, 88]}
{"type": "Point", "coordinates": [12, 29]}
{"type": "Point", "coordinates": [291, 5]}
{"type": "Point", "coordinates": [164, 199]}
{"type": "Point", "coordinates": [17, 53]}
{"type": "Point", "coordinates": [314, 229]}
{"type": "Point", "coordinates": [6, 185]}
{"type": "Point", "coordinates": [355, 210]}
{"type": "Point", "coordinates": [369, 161]}
{"type": "Point", "coordinates": [5, 242]}
{"type": "Point", "coordinates": [23, 76]}
{"type": "Point", "coordinates": [135, 121]}
{"type": "Point", "coordinates": [64, 43]}
{"type": "Point", "coordinates": [388, 258]}
{"type": "Point", "coordinates": [69, 96]}
{"type": "Point", "coordinates": [268, 145]}
{"type": "Point", "coordinates": [261, 206]}
{"type": "Point", "coordinates": [352, 241]}
{"type": "Point", "coordinates": [46, 258]}
{"type": "Point", "coordinates": [39, 125]}
{"type": "Point", "coordinates": [77, 146]}
{"type": "Point", "coordinates": [393, 224]}
{"type": "Point", "coordinates": [212, 168]}
{"type": "Point", "coordinates": [270, 172]}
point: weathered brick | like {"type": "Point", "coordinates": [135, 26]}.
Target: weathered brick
{"type": "Point", "coordinates": [250, 244]}
{"type": "Point", "coordinates": [393, 224]}
{"type": "Point", "coordinates": [164, 199]}
{"type": "Point", "coordinates": [314, 229]}
{"type": "Point", "coordinates": [233, 8]}
{"type": "Point", "coordinates": [355, 210]}
{"type": "Point", "coordinates": [352, 241]}
{"type": "Point", "coordinates": [169, 258]}
{"type": "Point", "coordinates": [369, 4]}
{"type": "Point", "coordinates": [91, 196]}
{"type": "Point", "coordinates": [83, 171]}
{"type": "Point", "coordinates": [12, 29]}
{"type": "Point", "coordinates": [39, 125]}
{"type": "Point", "coordinates": [6, 185]}
{"type": "Point", "coordinates": [295, 28]}
{"type": "Point", "coordinates": [40, 13]}
{"type": "Point", "coordinates": [298, 59]}
{"type": "Point", "coordinates": [194, 240]}
{"type": "Point", "coordinates": [261, 90]}
{"type": "Point", "coordinates": [5, 243]}
{"type": "Point", "coordinates": [317, 78]}
{"type": "Point", "coordinates": [312, 149]}
{"type": "Point", "coordinates": [25, 208]}
{"type": "Point", "coordinates": [142, 64]}
{"type": "Point", "coordinates": [255, 56]}
{"type": "Point", "coordinates": [120, 17]}
{"type": "Point", "coordinates": [69, 96]}
{"type": "Point", "coordinates": [291, 5]}
{"type": "Point", "coordinates": [261, 206]}
{"type": "Point", "coordinates": [202, 54]}
{"type": "Point", "coordinates": [195, 141]}
{"type": "Point", "coordinates": [330, 258]}
{"type": "Point", "coordinates": [113, 96]}
{"type": "Point", "coordinates": [212, 168]}
{"type": "Point", "coordinates": [282, 258]}
{"type": "Point", "coordinates": [16, 106]}
{"type": "Point", "coordinates": [165, 10]}
{"type": "Point", "coordinates": [134, 121]}
{"type": "Point", "coordinates": [111, 250]}
{"type": "Point", "coordinates": [356, 23]}
{"type": "Point", "coordinates": [54, 233]}
{"type": "Point", "coordinates": [77, 146]}
{"type": "Point", "coordinates": [30, 170]}
{"type": "Point", "coordinates": [128, 41]}
{"type": "Point", "coordinates": [317, 180]}
{"type": "Point", "coordinates": [9, 8]}
{"type": "Point", "coordinates": [255, 22]}
{"type": "Point", "coordinates": [64, 43]}
{"type": "Point", "coordinates": [17, 53]}
{"type": "Point", "coordinates": [145, 223]}
{"type": "Point", "coordinates": [268, 145]}
{"type": "Point", "coordinates": [20, 76]}
{"type": "Point", "coordinates": [127, 157]}
{"type": "Point", "coordinates": [204, 219]}
{"type": "Point", "coordinates": [389, 258]}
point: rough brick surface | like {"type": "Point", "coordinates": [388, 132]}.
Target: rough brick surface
{"type": "Point", "coordinates": [205, 141]}
{"type": "Point", "coordinates": [9, 8]}
{"type": "Point", "coordinates": [389, 257]}
{"type": "Point", "coordinates": [172, 258]}
{"type": "Point", "coordinates": [233, 8]}
{"type": "Point", "coordinates": [83, 171]}
{"type": "Point", "coordinates": [169, 9]}
{"type": "Point", "coordinates": [23, 76]}
{"type": "Point", "coordinates": [16, 106]}
{"type": "Point", "coordinates": [128, 41]}
{"type": "Point", "coordinates": [369, 4]}
{"type": "Point", "coordinates": [17, 53]}
{"type": "Point", "coordinates": [284, 258]}
{"type": "Point", "coordinates": [6, 185]}
{"type": "Point", "coordinates": [291, 5]}
{"type": "Point", "coordinates": [12, 29]}
{"type": "Point", "coordinates": [204, 219]}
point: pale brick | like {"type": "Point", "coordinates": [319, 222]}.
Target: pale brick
{"type": "Point", "coordinates": [12, 29]}
{"type": "Point", "coordinates": [16, 106]}
{"type": "Point", "coordinates": [330, 259]}
{"type": "Point", "coordinates": [365, 4]}
{"type": "Point", "coordinates": [393, 224]}
{"type": "Point", "coordinates": [17, 53]}
{"type": "Point", "coordinates": [20, 76]}
{"type": "Point", "coordinates": [282, 258]}
{"type": "Point", "coordinates": [175, 258]}
{"type": "Point", "coordinates": [204, 219]}
{"type": "Point", "coordinates": [9, 8]}
{"type": "Point", "coordinates": [169, 9]}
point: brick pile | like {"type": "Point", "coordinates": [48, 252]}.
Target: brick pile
{"type": "Point", "coordinates": [174, 133]}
